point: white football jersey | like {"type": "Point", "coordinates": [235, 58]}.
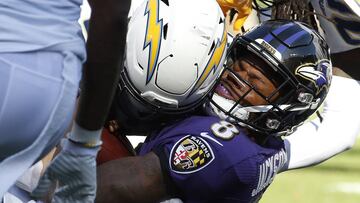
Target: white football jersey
{"type": "Point", "coordinates": [342, 23]}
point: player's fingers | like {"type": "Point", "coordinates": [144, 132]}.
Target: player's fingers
{"type": "Point", "coordinates": [227, 17]}
{"type": "Point", "coordinates": [43, 187]}
{"type": "Point", "coordinates": [228, 24]}
{"type": "Point", "coordinates": [228, 12]}
{"type": "Point", "coordinates": [234, 18]}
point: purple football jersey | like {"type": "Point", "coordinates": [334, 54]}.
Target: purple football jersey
{"type": "Point", "coordinates": [211, 160]}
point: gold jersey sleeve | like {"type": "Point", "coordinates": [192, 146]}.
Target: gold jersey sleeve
{"type": "Point", "coordinates": [243, 7]}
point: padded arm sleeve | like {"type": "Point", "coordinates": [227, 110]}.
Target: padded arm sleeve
{"type": "Point", "coordinates": [316, 141]}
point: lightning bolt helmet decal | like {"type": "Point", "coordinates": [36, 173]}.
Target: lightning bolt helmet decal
{"type": "Point", "coordinates": [174, 57]}
{"type": "Point", "coordinates": [153, 36]}
{"type": "Point", "coordinates": [213, 62]}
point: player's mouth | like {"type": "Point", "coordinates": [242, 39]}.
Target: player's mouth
{"type": "Point", "coordinates": [223, 91]}
{"type": "Point", "coordinates": [230, 87]}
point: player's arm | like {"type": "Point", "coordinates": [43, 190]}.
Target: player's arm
{"type": "Point", "coordinates": [105, 51]}
{"type": "Point", "coordinates": [131, 179]}
{"type": "Point", "coordinates": [318, 141]}
{"type": "Point", "coordinates": [161, 173]}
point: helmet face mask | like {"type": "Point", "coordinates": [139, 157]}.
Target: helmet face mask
{"type": "Point", "coordinates": [299, 69]}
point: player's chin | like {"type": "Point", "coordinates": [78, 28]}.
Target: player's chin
{"type": "Point", "coordinates": [113, 147]}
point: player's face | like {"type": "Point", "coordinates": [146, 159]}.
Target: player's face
{"type": "Point", "coordinates": [248, 68]}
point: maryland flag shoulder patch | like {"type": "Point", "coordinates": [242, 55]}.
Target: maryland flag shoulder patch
{"type": "Point", "coordinates": [190, 154]}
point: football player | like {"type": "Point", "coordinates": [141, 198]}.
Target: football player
{"type": "Point", "coordinates": [340, 21]}
{"type": "Point", "coordinates": [277, 75]}
{"type": "Point", "coordinates": [41, 56]}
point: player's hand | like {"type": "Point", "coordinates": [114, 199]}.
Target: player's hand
{"type": "Point", "coordinates": [229, 23]}
{"type": "Point", "coordinates": [75, 170]}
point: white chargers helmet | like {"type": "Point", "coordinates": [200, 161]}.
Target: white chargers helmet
{"type": "Point", "coordinates": [175, 52]}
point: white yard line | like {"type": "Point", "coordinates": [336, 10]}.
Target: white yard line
{"type": "Point", "coordinates": [347, 187]}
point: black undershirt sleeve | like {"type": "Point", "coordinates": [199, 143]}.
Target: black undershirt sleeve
{"type": "Point", "coordinates": [105, 54]}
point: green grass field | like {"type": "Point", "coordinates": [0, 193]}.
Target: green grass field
{"type": "Point", "coordinates": [334, 181]}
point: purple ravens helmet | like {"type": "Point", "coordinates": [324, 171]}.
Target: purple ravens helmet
{"type": "Point", "coordinates": [297, 58]}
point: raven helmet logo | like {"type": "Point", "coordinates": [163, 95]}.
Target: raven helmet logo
{"type": "Point", "coordinates": [319, 74]}
{"type": "Point", "coordinates": [190, 154]}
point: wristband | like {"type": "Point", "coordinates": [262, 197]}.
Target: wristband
{"type": "Point", "coordinates": [84, 137]}
{"type": "Point", "coordinates": [78, 148]}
